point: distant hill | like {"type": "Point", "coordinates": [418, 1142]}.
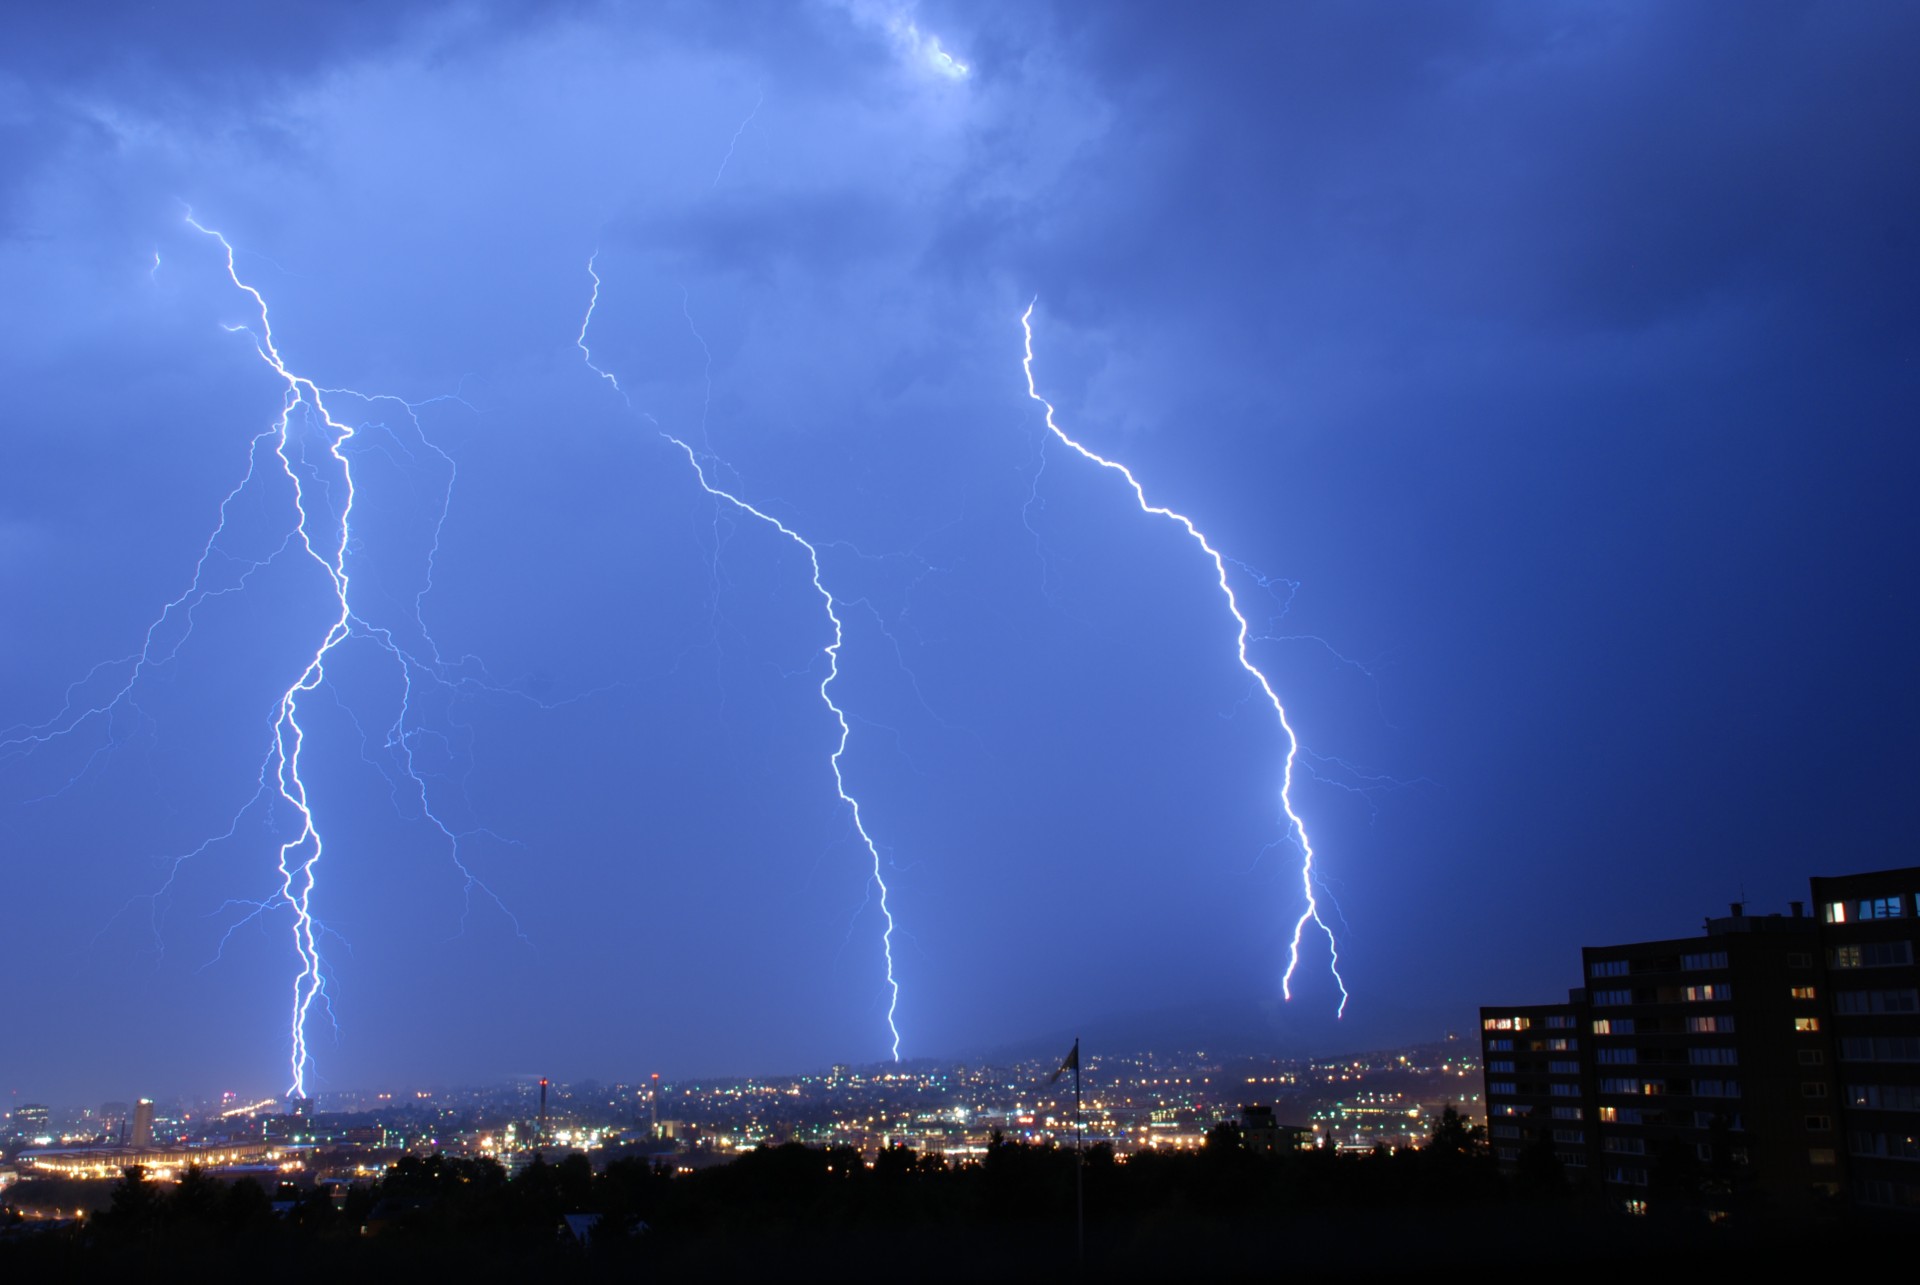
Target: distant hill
{"type": "Point", "coordinates": [1270, 1027]}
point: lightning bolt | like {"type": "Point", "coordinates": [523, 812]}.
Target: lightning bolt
{"type": "Point", "coordinates": [300, 856]}
{"type": "Point", "coordinates": [324, 495]}
{"type": "Point", "coordinates": [829, 604]}
{"type": "Point", "coordinates": [734, 142]}
{"type": "Point", "coordinates": [1298, 827]}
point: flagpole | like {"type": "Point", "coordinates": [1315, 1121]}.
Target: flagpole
{"type": "Point", "coordinates": [1079, 1162]}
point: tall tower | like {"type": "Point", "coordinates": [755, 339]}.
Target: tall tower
{"type": "Point", "coordinates": [143, 1123]}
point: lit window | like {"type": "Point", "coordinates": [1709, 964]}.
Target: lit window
{"type": "Point", "coordinates": [1806, 1023]}
{"type": "Point", "coordinates": [1566, 1113]}
{"type": "Point", "coordinates": [1613, 1026]}
{"type": "Point", "coordinates": [1563, 1045]}
{"type": "Point", "coordinates": [1609, 1115]}
{"type": "Point", "coordinates": [1836, 912]}
{"type": "Point", "coordinates": [1706, 994]}
{"type": "Point", "coordinates": [1803, 992]}
{"type": "Point", "coordinates": [1710, 1025]}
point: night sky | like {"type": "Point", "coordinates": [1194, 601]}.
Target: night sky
{"type": "Point", "coordinates": [1548, 373]}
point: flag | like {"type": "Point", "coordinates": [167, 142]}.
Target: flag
{"type": "Point", "coordinates": [1069, 1063]}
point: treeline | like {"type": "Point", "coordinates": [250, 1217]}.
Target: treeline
{"type": "Point", "coordinates": [812, 1212]}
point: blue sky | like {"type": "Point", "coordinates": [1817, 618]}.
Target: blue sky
{"type": "Point", "coordinates": [1547, 373]}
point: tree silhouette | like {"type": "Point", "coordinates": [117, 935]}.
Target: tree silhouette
{"type": "Point", "coordinates": [1452, 1135]}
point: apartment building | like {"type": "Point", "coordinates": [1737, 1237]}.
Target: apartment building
{"type": "Point", "coordinates": [1772, 1061]}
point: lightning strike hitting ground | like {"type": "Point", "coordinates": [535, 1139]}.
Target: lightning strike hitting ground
{"type": "Point", "coordinates": [829, 604]}
{"type": "Point", "coordinates": [300, 856]}
{"type": "Point", "coordinates": [321, 531]}
{"type": "Point", "coordinates": [1298, 827]}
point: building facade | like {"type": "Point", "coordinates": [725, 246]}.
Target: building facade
{"type": "Point", "coordinates": [1533, 1062]}
{"type": "Point", "coordinates": [1773, 1060]}
{"type": "Point", "coordinates": [1868, 924]}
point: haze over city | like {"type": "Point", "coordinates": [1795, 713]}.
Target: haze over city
{"type": "Point", "coordinates": [1543, 377]}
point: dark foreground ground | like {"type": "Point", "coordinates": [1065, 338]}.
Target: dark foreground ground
{"type": "Point", "coordinates": [801, 1213]}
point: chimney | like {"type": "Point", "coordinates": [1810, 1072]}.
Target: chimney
{"type": "Point", "coordinates": [1739, 909]}
{"type": "Point", "coordinates": [1799, 908]}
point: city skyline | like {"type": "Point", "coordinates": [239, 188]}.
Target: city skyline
{"type": "Point", "coordinates": [1535, 383]}
{"type": "Point", "coordinates": [1134, 1099]}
